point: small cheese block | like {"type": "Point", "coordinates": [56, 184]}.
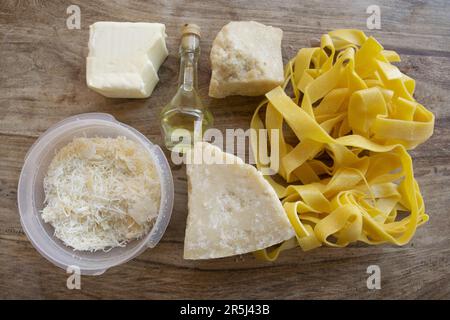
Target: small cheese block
{"type": "Point", "coordinates": [232, 208]}
{"type": "Point", "coordinates": [124, 58]}
{"type": "Point", "coordinates": [246, 60]}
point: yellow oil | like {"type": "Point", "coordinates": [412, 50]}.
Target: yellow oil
{"type": "Point", "coordinates": [183, 126]}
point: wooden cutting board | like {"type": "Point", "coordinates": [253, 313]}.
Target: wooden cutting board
{"type": "Point", "coordinates": [42, 81]}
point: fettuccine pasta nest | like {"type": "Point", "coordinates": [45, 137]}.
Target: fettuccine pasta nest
{"type": "Point", "coordinates": [348, 176]}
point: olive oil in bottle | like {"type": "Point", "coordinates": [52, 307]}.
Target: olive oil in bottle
{"type": "Point", "coordinates": [184, 118]}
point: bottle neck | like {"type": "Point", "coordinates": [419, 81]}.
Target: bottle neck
{"type": "Point", "coordinates": [189, 53]}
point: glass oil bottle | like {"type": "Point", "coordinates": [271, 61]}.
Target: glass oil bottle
{"type": "Point", "coordinates": [184, 118]}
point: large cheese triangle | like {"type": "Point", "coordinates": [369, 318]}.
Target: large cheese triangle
{"type": "Point", "coordinates": [232, 208]}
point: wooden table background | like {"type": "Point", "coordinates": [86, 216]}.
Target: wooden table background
{"type": "Point", "coordinates": [42, 81]}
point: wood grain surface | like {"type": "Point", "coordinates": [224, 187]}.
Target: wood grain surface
{"type": "Point", "coordinates": [42, 81]}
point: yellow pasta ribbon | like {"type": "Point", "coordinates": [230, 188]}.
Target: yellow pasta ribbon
{"type": "Point", "coordinates": [352, 116]}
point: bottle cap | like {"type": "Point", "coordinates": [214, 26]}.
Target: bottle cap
{"type": "Point", "coordinates": [190, 28]}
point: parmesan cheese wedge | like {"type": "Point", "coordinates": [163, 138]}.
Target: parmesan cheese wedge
{"type": "Point", "coordinates": [246, 60]}
{"type": "Point", "coordinates": [232, 208]}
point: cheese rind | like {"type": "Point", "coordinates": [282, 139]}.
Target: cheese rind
{"type": "Point", "coordinates": [232, 208]}
{"type": "Point", "coordinates": [124, 58]}
{"type": "Point", "coordinates": [246, 60]}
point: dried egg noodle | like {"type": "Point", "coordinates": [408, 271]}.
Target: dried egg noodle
{"type": "Point", "coordinates": [352, 105]}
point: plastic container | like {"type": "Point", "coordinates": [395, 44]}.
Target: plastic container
{"type": "Point", "coordinates": [31, 194]}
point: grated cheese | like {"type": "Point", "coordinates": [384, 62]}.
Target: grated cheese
{"type": "Point", "coordinates": [101, 193]}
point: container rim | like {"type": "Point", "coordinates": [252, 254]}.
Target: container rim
{"type": "Point", "coordinates": [25, 194]}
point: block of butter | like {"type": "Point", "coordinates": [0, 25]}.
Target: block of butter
{"type": "Point", "coordinates": [246, 60]}
{"type": "Point", "coordinates": [124, 58]}
{"type": "Point", "coordinates": [232, 208]}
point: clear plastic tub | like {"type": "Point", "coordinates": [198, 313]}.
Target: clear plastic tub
{"type": "Point", "coordinates": [31, 194]}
